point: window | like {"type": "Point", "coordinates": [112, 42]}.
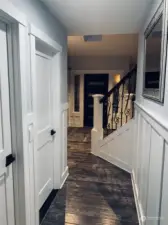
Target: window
{"type": "Point", "coordinates": [155, 57]}
{"type": "Point", "coordinates": [76, 93]}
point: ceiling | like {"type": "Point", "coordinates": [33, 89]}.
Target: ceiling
{"type": "Point", "coordinates": [99, 16]}
{"type": "Point", "coordinates": [111, 45]}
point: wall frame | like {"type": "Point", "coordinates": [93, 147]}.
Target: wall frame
{"type": "Point", "coordinates": [154, 78]}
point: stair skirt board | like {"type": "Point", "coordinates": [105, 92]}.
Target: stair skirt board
{"type": "Point", "coordinates": [43, 210]}
{"type": "Point", "coordinates": [141, 217]}
{"type": "Point", "coordinates": [117, 162]}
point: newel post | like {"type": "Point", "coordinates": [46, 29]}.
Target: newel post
{"type": "Point", "coordinates": [97, 131]}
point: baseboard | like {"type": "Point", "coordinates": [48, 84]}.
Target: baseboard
{"type": "Point", "coordinates": [93, 153]}
{"type": "Point", "coordinates": [43, 210]}
{"type": "Point", "coordinates": [115, 161]}
{"type": "Point", "coordinates": [64, 176]}
{"type": "Point", "coordinates": [141, 217]}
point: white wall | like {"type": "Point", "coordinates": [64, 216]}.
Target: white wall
{"type": "Point", "coordinates": [150, 156]}
{"type": "Point", "coordinates": [99, 63]}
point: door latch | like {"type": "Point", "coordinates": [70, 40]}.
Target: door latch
{"type": "Point", "coordinates": [9, 159]}
{"type": "Point", "coordinates": [52, 132]}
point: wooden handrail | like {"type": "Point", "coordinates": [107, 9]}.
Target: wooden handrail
{"type": "Point", "coordinates": [118, 84]}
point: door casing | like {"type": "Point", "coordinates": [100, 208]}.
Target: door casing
{"type": "Point", "coordinates": [44, 139]}
{"type": "Point", "coordinates": [22, 36]}
{"type": "Point", "coordinates": [38, 38]}
{"type": "Point", "coordinates": [16, 26]}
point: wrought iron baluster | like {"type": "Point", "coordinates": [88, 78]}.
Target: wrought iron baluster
{"type": "Point", "coordinates": [118, 109]}
{"type": "Point", "coordinates": [126, 110]}
{"type": "Point", "coordinates": [108, 114]}
{"type": "Point", "coordinates": [115, 106]}
{"type": "Point", "coordinates": [112, 120]}
{"type": "Point", "coordinates": [122, 101]}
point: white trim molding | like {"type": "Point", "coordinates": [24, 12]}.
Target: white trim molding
{"type": "Point", "coordinates": [44, 37]}
{"type": "Point", "coordinates": [141, 217]}
{"type": "Point", "coordinates": [64, 177]}
{"type": "Point", "coordinates": [52, 48]}
{"type": "Point", "coordinates": [17, 48]}
{"type": "Point", "coordinates": [11, 13]}
{"type": "Point", "coordinates": [160, 125]}
{"type": "Point", "coordinates": [64, 127]}
{"type": "Point", "coordinates": [65, 106]}
{"type": "Point", "coordinates": [115, 161]}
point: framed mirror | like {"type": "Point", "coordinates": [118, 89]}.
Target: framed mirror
{"type": "Point", "coordinates": [155, 57]}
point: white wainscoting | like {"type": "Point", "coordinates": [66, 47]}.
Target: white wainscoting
{"type": "Point", "coordinates": [150, 168]}
{"type": "Point", "coordinates": [141, 148]}
{"type": "Point", "coordinates": [117, 147]}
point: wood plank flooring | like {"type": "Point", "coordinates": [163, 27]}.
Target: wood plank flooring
{"type": "Point", "coordinates": [95, 193]}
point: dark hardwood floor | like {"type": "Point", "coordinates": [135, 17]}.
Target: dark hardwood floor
{"type": "Point", "coordinates": [95, 193]}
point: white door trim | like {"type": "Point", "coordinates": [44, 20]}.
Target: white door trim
{"type": "Point", "coordinates": [11, 14]}
{"type": "Point", "coordinates": [17, 25]}
{"type": "Point", "coordinates": [37, 33]}
{"type": "Point", "coordinates": [36, 36]}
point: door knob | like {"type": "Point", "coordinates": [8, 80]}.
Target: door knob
{"type": "Point", "coordinates": [52, 132]}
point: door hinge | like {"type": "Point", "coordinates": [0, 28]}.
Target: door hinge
{"type": "Point", "coordinates": [9, 159]}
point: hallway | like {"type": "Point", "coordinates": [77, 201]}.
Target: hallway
{"type": "Point", "coordinates": [95, 193]}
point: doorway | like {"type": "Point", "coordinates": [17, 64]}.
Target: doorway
{"type": "Point", "coordinates": [93, 84]}
{"type": "Point", "coordinates": [6, 158]}
{"type": "Point", "coordinates": [46, 122]}
{"type": "Point", "coordinates": [45, 133]}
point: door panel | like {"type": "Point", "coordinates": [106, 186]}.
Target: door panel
{"type": "Point", "coordinates": [45, 147]}
{"type": "Point", "coordinates": [94, 84]}
{"type": "Point", "coordinates": [6, 176]}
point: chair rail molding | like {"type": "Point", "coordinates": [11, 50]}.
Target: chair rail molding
{"type": "Point", "coordinates": [160, 125]}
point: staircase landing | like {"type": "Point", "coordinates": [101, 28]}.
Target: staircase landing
{"type": "Point", "coordinates": [95, 193]}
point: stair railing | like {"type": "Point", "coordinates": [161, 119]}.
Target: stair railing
{"type": "Point", "coordinates": [119, 103]}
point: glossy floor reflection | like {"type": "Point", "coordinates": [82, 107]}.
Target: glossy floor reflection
{"type": "Point", "coordinates": [96, 193]}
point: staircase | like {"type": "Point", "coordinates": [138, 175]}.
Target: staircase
{"type": "Point", "coordinates": [113, 142]}
{"type": "Point", "coordinates": [119, 102]}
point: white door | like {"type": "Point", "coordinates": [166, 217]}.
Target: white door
{"type": "Point", "coordinates": [44, 132]}
{"type": "Point", "coordinates": [6, 177]}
